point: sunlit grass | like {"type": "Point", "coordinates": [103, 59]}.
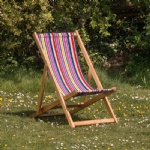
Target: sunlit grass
{"type": "Point", "coordinates": [18, 100]}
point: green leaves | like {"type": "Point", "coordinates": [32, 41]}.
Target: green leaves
{"type": "Point", "coordinates": [18, 21]}
{"type": "Point", "coordinates": [96, 21]}
{"type": "Point", "coordinates": [148, 25]}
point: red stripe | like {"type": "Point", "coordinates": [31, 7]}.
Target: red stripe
{"type": "Point", "coordinates": [59, 61]}
{"type": "Point", "coordinates": [76, 60]}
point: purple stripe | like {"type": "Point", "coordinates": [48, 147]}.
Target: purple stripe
{"type": "Point", "coordinates": [52, 60]}
{"type": "Point", "coordinates": [73, 69]}
{"type": "Point", "coordinates": [64, 69]}
{"type": "Point", "coordinates": [71, 66]}
{"type": "Point", "coordinates": [58, 51]}
{"type": "Point", "coordinates": [77, 73]}
{"type": "Point", "coordinates": [67, 50]}
{"type": "Point", "coordinates": [64, 81]}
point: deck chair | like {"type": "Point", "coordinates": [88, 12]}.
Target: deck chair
{"type": "Point", "coordinates": [59, 54]}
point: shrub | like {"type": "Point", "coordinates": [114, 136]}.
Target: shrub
{"type": "Point", "coordinates": [102, 29]}
{"type": "Point", "coordinates": [19, 19]}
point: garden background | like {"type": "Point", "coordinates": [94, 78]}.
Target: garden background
{"type": "Point", "coordinates": [116, 34]}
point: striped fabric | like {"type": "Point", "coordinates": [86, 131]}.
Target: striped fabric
{"type": "Point", "coordinates": [63, 60]}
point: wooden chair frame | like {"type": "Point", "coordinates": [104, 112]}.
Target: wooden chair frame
{"type": "Point", "coordinates": [61, 99]}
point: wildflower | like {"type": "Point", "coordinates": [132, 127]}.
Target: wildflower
{"type": "Point", "coordinates": [7, 105]}
{"type": "Point", "coordinates": [9, 100]}
{"type": "Point", "coordinates": [1, 98]}
{"type": "Point", "coordinates": [35, 96]}
{"type": "Point", "coordinates": [124, 114]}
{"type": "Point", "coordinates": [49, 97]}
{"type": "Point", "coordinates": [118, 108]}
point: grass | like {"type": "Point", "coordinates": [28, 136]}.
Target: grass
{"type": "Point", "coordinates": [18, 131]}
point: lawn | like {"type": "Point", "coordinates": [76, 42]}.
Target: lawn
{"type": "Point", "coordinates": [18, 131]}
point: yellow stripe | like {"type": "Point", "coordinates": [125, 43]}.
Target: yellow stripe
{"type": "Point", "coordinates": [44, 47]}
{"type": "Point", "coordinates": [59, 68]}
{"type": "Point", "coordinates": [66, 64]}
{"type": "Point", "coordinates": [46, 55]}
{"type": "Point", "coordinates": [76, 63]}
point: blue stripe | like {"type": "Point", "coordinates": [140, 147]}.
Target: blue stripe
{"type": "Point", "coordinates": [63, 67]}
{"type": "Point", "coordinates": [73, 61]}
{"type": "Point", "coordinates": [56, 65]}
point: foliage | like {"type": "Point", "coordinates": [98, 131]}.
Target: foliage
{"type": "Point", "coordinates": [148, 25]}
{"type": "Point", "coordinates": [42, 16]}
{"type": "Point", "coordinates": [18, 22]}
{"type": "Point", "coordinates": [102, 30]}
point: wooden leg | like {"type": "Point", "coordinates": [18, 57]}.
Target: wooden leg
{"type": "Point", "coordinates": [67, 113]}
{"type": "Point", "coordinates": [109, 108]}
{"type": "Point", "coordinates": [98, 121]}
{"type": "Point", "coordinates": [44, 76]}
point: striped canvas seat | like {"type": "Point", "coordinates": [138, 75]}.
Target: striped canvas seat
{"type": "Point", "coordinates": [60, 49]}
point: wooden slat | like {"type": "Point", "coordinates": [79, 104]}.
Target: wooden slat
{"type": "Point", "coordinates": [52, 105]}
{"type": "Point", "coordinates": [90, 102]}
{"type": "Point", "coordinates": [69, 105]}
{"type": "Point", "coordinates": [90, 122]}
{"type": "Point", "coordinates": [46, 108]}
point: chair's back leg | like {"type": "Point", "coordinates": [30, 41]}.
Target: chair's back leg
{"type": "Point", "coordinates": [44, 76]}
{"type": "Point", "coordinates": [110, 110]}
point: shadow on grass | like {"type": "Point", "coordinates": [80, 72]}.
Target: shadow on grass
{"type": "Point", "coordinates": [58, 120]}
{"type": "Point", "coordinates": [25, 114]}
